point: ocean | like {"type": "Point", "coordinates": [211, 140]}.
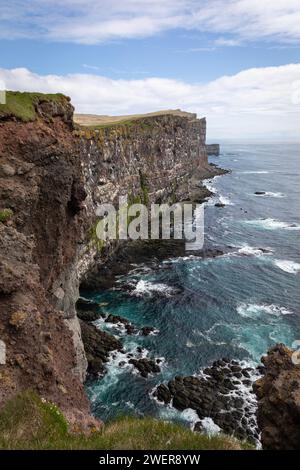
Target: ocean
{"type": "Point", "coordinates": [236, 305]}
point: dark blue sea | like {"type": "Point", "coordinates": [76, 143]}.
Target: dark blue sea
{"type": "Point", "coordinates": [236, 305]}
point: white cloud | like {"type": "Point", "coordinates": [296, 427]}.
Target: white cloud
{"type": "Point", "coordinates": [227, 42]}
{"type": "Point", "coordinates": [257, 102]}
{"type": "Point", "coordinates": [96, 21]}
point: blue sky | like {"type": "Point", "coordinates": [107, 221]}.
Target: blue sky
{"type": "Point", "coordinates": [175, 54]}
{"type": "Point", "coordinates": [235, 61]}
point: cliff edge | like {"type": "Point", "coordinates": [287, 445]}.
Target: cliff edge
{"type": "Point", "coordinates": [53, 174]}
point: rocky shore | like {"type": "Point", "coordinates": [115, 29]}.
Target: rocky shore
{"type": "Point", "coordinates": [223, 392]}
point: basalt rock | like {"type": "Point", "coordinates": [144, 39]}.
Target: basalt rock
{"type": "Point", "coordinates": [219, 394]}
{"type": "Point", "coordinates": [88, 310]}
{"type": "Point", "coordinates": [213, 149]}
{"type": "Point", "coordinates": [145, 366]}
{"type": "Point", "coordinates": [118, 320]}
{"type": "Point", "coordinates": [98, 345]}
{"type": "Point", "coordinates": [129, 327]}
{"type": "Point", "coordinates": [278, 393]}
{"type": "Point", "coordinates": [147, 330]}
{"type": "Point", "coordinates": [42, 185]}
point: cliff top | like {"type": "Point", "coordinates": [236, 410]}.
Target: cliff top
{"type": "Point", "coordinates": [50, 431]}
{"type": "Point", "coordinates": [26, 106]}
{"type": "Point", "coordinates": [94, 120]}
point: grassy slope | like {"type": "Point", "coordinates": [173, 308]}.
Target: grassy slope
{"type": "Point", "coordinates": [26, 422]}
{"type": "Point", "coordinates": [93, 121]}
{"type": "Point", "coordinates": [22, 105]}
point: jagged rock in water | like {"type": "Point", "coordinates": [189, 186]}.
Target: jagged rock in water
{"type": "Point", "coordinates": [213, 149]}
{"type": "Point", "coordinates": [87, 310]}
{"type": "Point", "coordinates": [219, 394]}
{"type": "Point", "coordinates": [98, 345]}
{"type": "Point", "coordinates": [145, 366]}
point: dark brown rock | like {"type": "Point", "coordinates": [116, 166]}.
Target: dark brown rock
{"type": "Point", "coordinates": [211, 397]}
{"type": "Point", "coordinates": [145, 366]}
{"type": "Point", "coordinates": [278, 393]}
{"type": "Point", "coordinates": [88, 310]}
{"type": "Point", "coordinates": [146, 330]}
{"type": "Point", "coordinates": [98, 345]}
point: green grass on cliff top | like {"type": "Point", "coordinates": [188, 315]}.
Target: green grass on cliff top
{"type": "Point", "coordinates": [23, 105]}
{"type": "Point", "coordinates": [94, 122]}
{"type": "Point", "coordinates": [27, 422]}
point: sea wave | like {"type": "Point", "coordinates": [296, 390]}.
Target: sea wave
{"type": "Point", "coordinates": [226, 201]}
{"type": "Point", "coordinates": [287, 266]}
{"type": "Point", "coordinates": [253, 172]}
{"type": "Point", "coordinates": [147, 288]}
{"type": "Point", "coordinates": [255, 310]}
{"type": "Point", "coordinates": [247, 250]}
{"type": "Point", "coordinates": [270, 194]}
{"type": "Point", "coordinates": [209, 427]}
{"type": "Point", "coordinates": [169, 413]}
{"type": "Point", "coordinates": [273, 224]}
{"type": "Point", "coordinates": [208, 183]}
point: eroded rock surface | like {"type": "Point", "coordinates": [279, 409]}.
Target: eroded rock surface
{"type": "Point", "coordinates": [52, 178]}
{"type": "Point", "coordinates": [223, 392]}
{"type": "Point", "coordinates": [278, 393]}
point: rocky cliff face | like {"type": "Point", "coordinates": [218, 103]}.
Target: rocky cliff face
{"type": "Point", "coordinates": [51, 179]}
{"type": "Point", "coordinates": [213, 149]}
{"type": "Point", "coordinates": [278, 393]}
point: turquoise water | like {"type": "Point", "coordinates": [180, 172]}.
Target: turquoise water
{"type": "Point", "coordinates": [236, 305]}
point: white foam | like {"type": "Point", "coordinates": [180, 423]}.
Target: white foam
{"type": "Point", "coordinates": [270, 194]}
{"type": "Point", "coordinates": [208, 183]}
{"type": "Point", "coordinates": [253, 172]}
{"type": "Point", "coordinates": [272, 224]}
{"type": "Point", "coordinates": [256, 310]}
{"type": "Point", "coordinates": [147, 288]}
{"type": "Point", "coordinates": [247, 250]}
{"type": "Point", "coordinates": [226, 201]}
{"type": "Point", "coordinates": [169, 413]}
{"type": "Point", "coordinates": [210, 427]}
{"type": "Point", "coordinates": [210, 186]}
{"type": "Point", "coordinates": [287, 266]}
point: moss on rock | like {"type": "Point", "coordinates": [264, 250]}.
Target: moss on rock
{"type": "Point", "coordinates": [22, 105]}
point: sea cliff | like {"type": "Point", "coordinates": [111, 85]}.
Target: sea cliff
{"type": "Point", "coordinates": [53, 174]}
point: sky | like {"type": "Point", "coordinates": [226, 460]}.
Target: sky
{"type": "Point", "coordinates": [237, 62]}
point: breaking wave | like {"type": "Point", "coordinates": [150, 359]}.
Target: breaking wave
{"type": "Point", "coordinates": [147, 288]}
{"type": "Point", "coordinates": [270, 194]}
{"type": "Point", "coordinates": [256, 311]}
{"type": "Point", "coordinates": [287, 266]}
{"type": "Point", "coordinates": [273, 224]}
